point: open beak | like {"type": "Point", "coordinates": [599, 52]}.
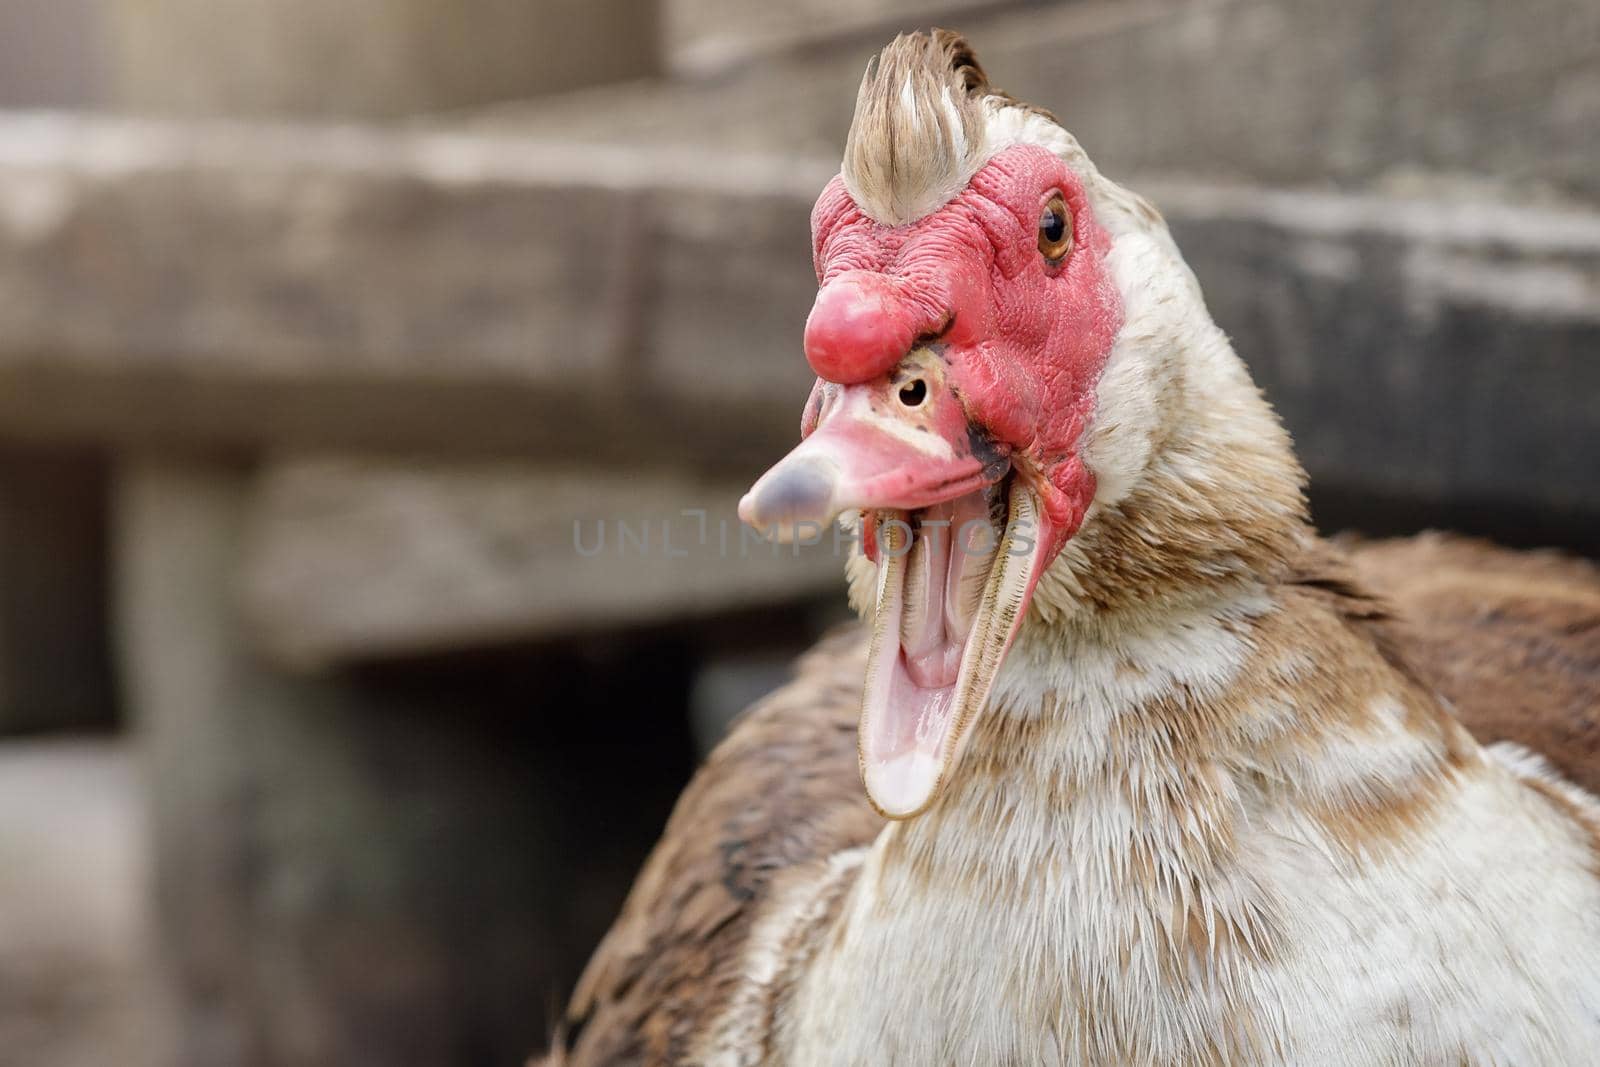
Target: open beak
{"type": "Point", "coordinates": [959, 544]}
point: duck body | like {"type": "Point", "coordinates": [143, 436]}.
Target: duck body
{"type": "Point", "coordinates": [1198, 841]}
{"type": "Point", "coordinates": [1159, 777]}
{"type": "Point", "coordinates": [1124, 881]}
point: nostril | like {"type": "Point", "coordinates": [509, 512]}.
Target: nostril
{"type": "Point", "coordinates": [913, 393]}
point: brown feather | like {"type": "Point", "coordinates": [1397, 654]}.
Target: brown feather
{"type": "Point", "coordinates": [1511, 638]}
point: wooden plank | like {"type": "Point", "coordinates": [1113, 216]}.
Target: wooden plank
{"type": "Point", "coordinates": [246, 285]}
{"type": "Point", "coordinates": [1439, 347]}
{"type": "Point", "coordinates": [343, 288]}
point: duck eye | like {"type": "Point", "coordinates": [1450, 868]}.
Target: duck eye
{"type": "Point", "coordinates": [1055, 230]}
{"type": "Point", "coordinates": [913, 393]}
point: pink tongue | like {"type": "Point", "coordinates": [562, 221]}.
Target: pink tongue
{"type": "Point", "coordinates": [932, 658]}
{"type": "Point", "coordinates": [934, 625]}
{"type": "Point", "coordinates": [917, 713]}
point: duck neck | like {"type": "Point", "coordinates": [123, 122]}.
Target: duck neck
{"type": "Point", "coordinates": [1079, 746]}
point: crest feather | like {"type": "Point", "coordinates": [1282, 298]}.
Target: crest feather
{"type": "Point", "coordinates": [927, 119]}
{"type": "Point", "coordinates": [919, 129]}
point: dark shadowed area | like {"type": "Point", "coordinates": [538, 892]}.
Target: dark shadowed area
{"type": "Point", "coordinates": [378, 380]}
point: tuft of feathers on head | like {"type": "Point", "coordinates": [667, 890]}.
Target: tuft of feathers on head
{"type": "Point", "coordinates": [919, 129]}
{"type": "Point", "coordinates": [927, 119]}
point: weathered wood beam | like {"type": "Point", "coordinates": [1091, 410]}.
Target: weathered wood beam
{"type": "Point", "coordinates": [228, 284]}
{"type": "Point", "coordinates": [347, 288]}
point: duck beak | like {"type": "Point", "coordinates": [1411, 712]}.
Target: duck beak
{"type": "Point", "coordinates": [870, 452]}
{"type": "Point", "coordinates": [959, 546]}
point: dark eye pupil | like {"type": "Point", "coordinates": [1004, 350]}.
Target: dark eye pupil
{"type": "Point", "coordinates": [1053, 226]}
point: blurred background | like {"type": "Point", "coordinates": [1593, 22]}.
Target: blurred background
{"type": "Point", "coordinates": [332, 336]}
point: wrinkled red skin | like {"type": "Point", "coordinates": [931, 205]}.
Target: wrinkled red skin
{"type": "Point", "coordinates": [1024, 340]}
